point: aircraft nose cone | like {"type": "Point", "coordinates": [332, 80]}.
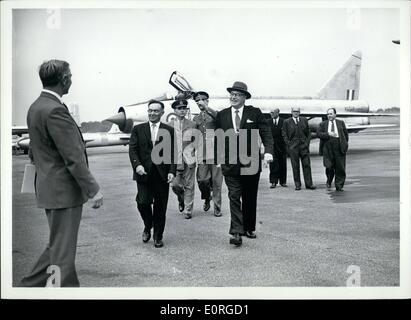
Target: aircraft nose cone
{"type": "Point", "coordinates": [118, 119]}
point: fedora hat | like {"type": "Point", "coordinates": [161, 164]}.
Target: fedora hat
{"type": "Point", "coordinates": [240, 86]}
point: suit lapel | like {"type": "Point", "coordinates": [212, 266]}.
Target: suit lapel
{"type": "Point", "coordinates": [147, 132]}
{"type": "Point", "coordinates": [229, 119]}
{"type": "Point", "coordinates": [244, 117]}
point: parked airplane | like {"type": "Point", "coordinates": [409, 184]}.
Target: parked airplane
{"type": "Point", "coordinates": [114, 137]}
{"type": "Point", "coordinates": [340, 92]}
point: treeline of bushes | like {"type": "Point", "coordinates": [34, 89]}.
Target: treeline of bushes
{"type": "Point", "coordinates": [96, 126]}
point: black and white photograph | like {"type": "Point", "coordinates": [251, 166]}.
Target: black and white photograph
{"type": "Point", "coordinates": [205, 150]}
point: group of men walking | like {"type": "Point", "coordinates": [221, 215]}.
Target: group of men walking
{"type": "Point", "coordinates": [64, 182]}
{"type": "Point", "coordinates": [292, 136]}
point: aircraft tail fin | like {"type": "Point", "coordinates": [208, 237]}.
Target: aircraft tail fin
{"type": "Point", "coordinates": [345, 84]}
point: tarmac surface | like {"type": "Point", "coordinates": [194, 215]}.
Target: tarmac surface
{"type": "Point", "coordinates": [304, 238]}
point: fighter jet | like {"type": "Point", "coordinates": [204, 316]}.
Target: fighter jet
{"type": "Point", "coordinates": [114, 137]}
{"type": "Point", "coordinates": [340, 92]}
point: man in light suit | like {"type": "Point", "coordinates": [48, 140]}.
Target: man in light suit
{"type": "Point", "coordinates": [152, 177]}
{"type": "Point", "coordinates": [242, 183]}
{"type": "Point", "coordinates": [183, 184]}
{"type": "Point", "coordinates": [333, 147]}
{"type": "Point", "coordinates": [63, 180]}
{"type": "Point", "coordinates": [209, 174]}
{"type": "Point", "coordinates": [297, 135]}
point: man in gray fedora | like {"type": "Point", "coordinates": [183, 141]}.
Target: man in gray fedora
{"type": "Point", "coordinates": [242, 184]}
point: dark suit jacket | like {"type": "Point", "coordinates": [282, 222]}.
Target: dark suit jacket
{"type": "Point", "coordinates": [63, 179]}
{"type": "Point", "coordinates": [252, 118]}
{"type": "Point", "coordinates": [322, 133]}
{"type": "Point", "coordinates": [140, 147]}
{"type": "Point", "coordinates": [290, 132]}
{"type": "Point", "coordinates": [277, 133]}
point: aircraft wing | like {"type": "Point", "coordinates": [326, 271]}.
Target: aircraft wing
{"type": "Point", "coordinates": [343, 114]}
{"type": "Point", "coordinates": [358, 127]}
{"type": "Point", "coordinates": [19, 130]}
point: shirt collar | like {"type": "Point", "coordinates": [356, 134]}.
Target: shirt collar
{"type": "Point", "coordinates": [239, 109]}
{"type": "Point", "coordinates": [54, 94]}
{"type": "Point", "coordinates": [156, 123]}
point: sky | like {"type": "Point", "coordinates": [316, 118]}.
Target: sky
{"type": "Point", "coordinates": [122, 56]}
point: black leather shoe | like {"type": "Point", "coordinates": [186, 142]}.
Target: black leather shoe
{"type": "Point", "coordinates": [218, 214]}
{"type": "Point", "coordinates": [158, 243]}
{"type": "Point", "coordinates": [181, 206]}
{"type": "Point", "coordinates": [273, 185]}
{"type": "Point", "coordinates": [250, 234]}
{"type": "Point", "coordinates": [206, 205]}
{"type": "Point", "coordinates": [236, 240]}
{"type": "Point", "coordinates": [146, 236]}
{"type": "Point", "coordinates": [328, 185]}
{"type": "Point", "coordinates": [284, 185]}
{"type": "Point", "coordinates": [297, 188]}
{"type": "Point", "coordinates": [339, 189]}
{"type": "Point", "coordinates": [187, 216]}
{"type": "Point", "coordinates": [311, 187]}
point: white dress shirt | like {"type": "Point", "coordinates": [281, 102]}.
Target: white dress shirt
{"type": "Point", "coordinates": [335, 127]}
{"type": "Point", "coordinates": [233, 114]}
{"type": "Point", "coordinates": [54, 94]}
{"type": "Point", "coordinates": [296, 120]}
{"type": "Point", "coordinates": [154, 134]}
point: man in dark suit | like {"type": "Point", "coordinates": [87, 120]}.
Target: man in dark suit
{"type": "Point", "coordinates": [242, 172]}
{"type": "Point", "coordinates": [278, 168]}
{"type": "Point", "coordinates": [63, 180]}
{"type": "Point", "coordinates": [152, 175]}
{"type": "Point", "coordinates": [296, 134]}
{"type": "Point", "coordinates": [333, 147]}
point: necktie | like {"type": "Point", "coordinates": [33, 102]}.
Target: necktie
{"type": "Point", "coordinates": [237, 121]}
{"type": "Point", "coordinates": [332, 126]}
{"type": "Point", "coordinates": [153, 133]}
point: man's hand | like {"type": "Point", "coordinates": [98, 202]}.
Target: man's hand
{"type": "Point", "coordinates": [333, 134]}
{"type": "Point", "coordinates": [268, 157]}
{"type": "Point", "coordinates": [140, 170]}
{"type": "Point", "coordinates": [97, 200]}
{"type": "Point", "coordinates": [170, 177]}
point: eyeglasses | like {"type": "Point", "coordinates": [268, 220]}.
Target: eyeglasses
{"type": "Point", "coordinates": [237, 94]}
{"type": "Point", "coordinates": [153, 111]}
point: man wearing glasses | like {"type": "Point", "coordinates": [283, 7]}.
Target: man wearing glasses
{"type": "Point", "coordinates": [243, 184]}
{"type": "Point", "coordinates": [183, 184]}
{"type": "Point", "coordinates": [209, 175]}
{"type": "Point", "coordinates": [152, 179]}
{"type": "Point", "coordinates": [296, 134]}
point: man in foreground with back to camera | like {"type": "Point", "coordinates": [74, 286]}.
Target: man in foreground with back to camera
{"type": "Point", "coordinates": [243, 174]}
{"type": "Point", "coordinates": [63, 180]}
